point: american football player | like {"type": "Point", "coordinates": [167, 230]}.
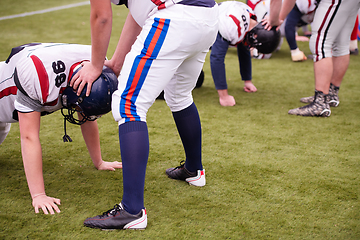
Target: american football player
{"type": "Point", "coordinates": [261, 9]}
{"type": "Point", "coordinates": [238, 27]}
{"type": "Point", "coordinates": [301, 15]}
{"type": "Point", "coordinates": [34, 81]}
{"type": "Point", "coordinates": [165, 43]}
{"type": "Point", "coordinates": [329, 43]}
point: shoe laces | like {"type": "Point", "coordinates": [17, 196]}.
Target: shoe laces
{"type": "Point", "coordinates": [182, 165]}
{"type": "Point", "coordinates": [113, 211]}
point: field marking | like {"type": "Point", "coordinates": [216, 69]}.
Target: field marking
{"type": "Point", "coordinates": [45, 10]}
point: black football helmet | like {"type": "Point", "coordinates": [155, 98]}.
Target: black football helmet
{"type": "Point", "coordinates": [263, 40]}
{"type": "Point", "coordinates": [96, 104]}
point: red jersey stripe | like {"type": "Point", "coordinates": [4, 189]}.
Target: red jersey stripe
{"type": "Point", "coordinates": [43, 77]}
{"type": "Point", "coordinates": [8, 91]}
{"type": "Point", "coordinates": [157, 2]}
{"type": "Point", "coordinates": [237, 22]}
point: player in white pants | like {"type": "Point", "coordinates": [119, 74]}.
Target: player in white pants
{"type": "Point", "coordinates": [330, 39]}
{"type": "Point", "coordinates": [165, 43]}
{"type": "Point", "coordinates": [31, 82]}
{"type": "Point", "coordinates": [173, 66]}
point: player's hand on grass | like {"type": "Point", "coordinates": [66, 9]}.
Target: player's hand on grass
{"type": "Point", "coordinates": [109, 165]}
{"type": "Point", "coordinates": [87, 75]}
{"type": "Point", "coordinates": [47, 204]}
{"type": "Point", "coordinates": [249, 87]}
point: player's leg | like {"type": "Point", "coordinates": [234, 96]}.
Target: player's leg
{"type": "Point", "coordinates": [178, 96]}
{"type": "Point", "coordinates": [140, 82]}
{"type": "Point", "coordinates": [331, 35]}
{"type": "Point", "coordinates": [328, 23]}
{"type": "Point", "coordinates": [290, 32]}
{"type": "Point", "coordinates": [341, 56]}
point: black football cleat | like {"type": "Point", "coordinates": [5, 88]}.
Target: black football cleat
{"type": "Point", "coordinates": [118, 218]}
{"type": "Point", "coordinates": [181, 173]}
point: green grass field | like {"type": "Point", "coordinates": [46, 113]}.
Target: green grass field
{"type": "Point", "coordinates": [269, 175]}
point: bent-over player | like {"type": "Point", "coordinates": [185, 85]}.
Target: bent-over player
{"type": "Point", "coordinates": [236, 21]}
{"type": "Point", "coordinates": [165, 43]}
{"type": "Point", "coordinates": [31, 82]}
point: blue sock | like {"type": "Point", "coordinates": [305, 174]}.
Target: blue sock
{"type": "Point", "coordinates": [134, 147]}
{"type": "Point", "coordinates": [189, 127]}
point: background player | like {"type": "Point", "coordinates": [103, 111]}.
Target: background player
{"type": "Point", "coordinates": [31, 82]}
{"type": "Point", "coordinates": [235, 21]}
{"type": "Point", "coordinates": [330, 42]}
{"type": "Point", "coordinates": [302, 14]}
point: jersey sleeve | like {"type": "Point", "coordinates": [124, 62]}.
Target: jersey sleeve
{"type": "Point", "coordinates": [25, 104]}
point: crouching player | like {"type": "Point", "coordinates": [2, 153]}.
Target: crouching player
{"type": "Point", "coordinates": [238, 27]}
{"type": "Point", "coordinates": [33, 83]}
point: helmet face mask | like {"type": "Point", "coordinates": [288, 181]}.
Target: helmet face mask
{"type": "Point", "coordinates": [68, 114]}
{"type": "Point", "coordinates": [263, 40]}
{"type": "Point", "coordinates": [93, 106]}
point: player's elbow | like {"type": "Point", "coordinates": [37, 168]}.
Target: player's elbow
{"type": "Point", "coordinates": [102, 18]}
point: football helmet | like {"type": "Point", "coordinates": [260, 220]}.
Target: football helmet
{"type": "Point", "coordinates": [263, 40]}
{"type": "Point", "coordinates": [93, 106]}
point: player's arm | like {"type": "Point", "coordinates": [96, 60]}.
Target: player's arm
{"type": "Point", "coordinates": [273, 19]}
{"type": "Point", "coordinates": [90, 133]}
{"type": "Point", "coordinates": [29, 124]}
{"type": "Point", "coordinates": [128, 36]}
{"type": "Point", "coordinates": [286, 8]}
{"type": "Point", "coordinates": [275, 6]}
{"type": "Point", "coordinates": [101, 25]}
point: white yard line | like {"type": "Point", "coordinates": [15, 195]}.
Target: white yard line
{"type": "Point", "coordinates": [45, 10]}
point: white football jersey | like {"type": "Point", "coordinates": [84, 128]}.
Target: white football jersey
{"type": "Point", "coordinates": [234, 21]}
{"type": "Point", "coordinates": [40, 72]}
{"type": "Point", "coordinates": [261, 9]}
{"type": "Point", "coordinates": [307, 7]}
{"type": "Point", "coordinates": [252, 3]}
